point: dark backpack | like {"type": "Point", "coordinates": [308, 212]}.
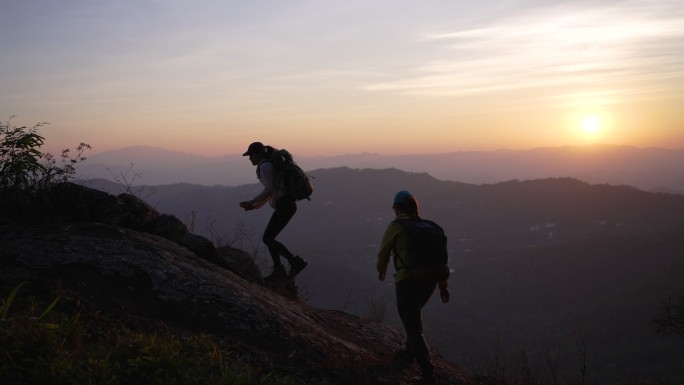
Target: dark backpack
{"type": "Point", "coordinates": [428, 256]}
{"type": "Point", "coordinates": [289, 177]}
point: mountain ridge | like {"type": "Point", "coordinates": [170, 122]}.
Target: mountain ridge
{"type": "Point", "coordinates": [652, 169]}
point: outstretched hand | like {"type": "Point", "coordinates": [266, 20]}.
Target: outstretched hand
{"type": "Point", "coordinates": [247, 205]}
{"type": "Point", "coordinates": [444, 295]}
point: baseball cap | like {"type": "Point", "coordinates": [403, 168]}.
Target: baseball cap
{"type": "Point", "coordinates": [254, 148]}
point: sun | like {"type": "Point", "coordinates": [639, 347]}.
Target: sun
{"type": "Point", "coordinates": [591, 125]}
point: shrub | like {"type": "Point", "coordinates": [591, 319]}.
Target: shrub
{"type": "Point", "coordinates": [26, 173]}
{"type": "Point", "coordinates": [19, 157]}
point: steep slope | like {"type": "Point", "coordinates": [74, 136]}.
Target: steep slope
{"type": "Point", "coordinates": [136, 274]}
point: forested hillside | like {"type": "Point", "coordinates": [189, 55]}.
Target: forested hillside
{"type": "Point", "coordinates": [541, 265]}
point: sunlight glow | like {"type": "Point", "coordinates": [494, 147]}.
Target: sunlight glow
{"type": "Point", "coordinates": [591, 124]}
{"type": "Point", "coordinates": [332, 78]}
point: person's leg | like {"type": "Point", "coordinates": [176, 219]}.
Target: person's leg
{"type": "Point", "coordinates": [284, 211]}
{"type": "Point", "coordinates": [411, 297]}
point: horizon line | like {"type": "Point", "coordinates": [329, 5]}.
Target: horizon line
{"type": "Point", "coordinates": [592, 145]}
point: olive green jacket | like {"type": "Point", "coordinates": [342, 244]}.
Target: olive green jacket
{"type": "Point", "coordinates": [395, 242]}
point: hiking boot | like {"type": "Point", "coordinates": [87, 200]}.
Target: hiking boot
{"type": "Point", "coordinates": [278, 274]}
{"type": "Point", "coordinates": [297, 264]}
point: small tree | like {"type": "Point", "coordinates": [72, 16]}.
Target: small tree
{"type": "Point", "coordinates": [19, 156]}
{"type": "Point", "coordinates": [25, 171]}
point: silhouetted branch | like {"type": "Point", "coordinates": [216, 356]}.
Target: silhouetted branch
{"type": "Point", "coordinates": [671, 319]}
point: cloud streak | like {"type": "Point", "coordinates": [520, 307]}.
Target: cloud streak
{"type": "Point", "coordinates": [602, 50]}
{"type": "Point", "coordinates": [383, 68]}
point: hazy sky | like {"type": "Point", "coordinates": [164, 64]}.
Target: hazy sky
{"type": "Point", "coordinates": [331, 77]}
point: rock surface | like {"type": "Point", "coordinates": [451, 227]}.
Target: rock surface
{"type": "Point", "coordinates": [112, 256]}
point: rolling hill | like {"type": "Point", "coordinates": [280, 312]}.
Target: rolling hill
{"type": "Point", "coordinates": [553, 263]}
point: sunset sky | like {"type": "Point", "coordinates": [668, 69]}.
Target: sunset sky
{"type": "Point", "coordinates": [334, 77]}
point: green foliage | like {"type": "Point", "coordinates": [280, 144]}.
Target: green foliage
{"type": "Point", "coordinates": [24, 169]}
{"type": "Point", "coordinates": [4, 308]}
{"type": "Point", "coordinates": [90, 348]}
{"type": "Point", "coordinates": [27, 174]}
{"type": "Point", "coordinates": [19, 156]}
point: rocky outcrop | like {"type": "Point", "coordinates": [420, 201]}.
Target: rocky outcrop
{"type": "Point", "coordinates": [134, 261]}
{"type": "Point", "coordinates": [75, 203]}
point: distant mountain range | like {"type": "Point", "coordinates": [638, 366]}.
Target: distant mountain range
{"type": "Point", "coordinates": [553, 261]}
{"type": "Point", "coordinates": [651, 169]}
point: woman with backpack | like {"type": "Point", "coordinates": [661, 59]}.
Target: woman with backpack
{"type": "Point", "coordinates": [284, 205]}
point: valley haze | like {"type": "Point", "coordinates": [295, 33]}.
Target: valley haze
{"type": "Point", "coordinates": [650, 169]}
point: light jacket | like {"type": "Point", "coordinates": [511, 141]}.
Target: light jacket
{"type": "Point", "coordinates": [270, 193]}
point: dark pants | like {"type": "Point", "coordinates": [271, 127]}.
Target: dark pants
{"type": "Point", "coordinates": [285, 209]}
{"type": "Point", "coordinates": [411, 297]}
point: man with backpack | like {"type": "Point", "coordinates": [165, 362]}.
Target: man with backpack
{"type": "Point", "coordinates": [284, 205]}
{"type": "Point", "coordinates": [420, 260]}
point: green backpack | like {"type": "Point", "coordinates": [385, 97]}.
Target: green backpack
{"type": "Point", "coordinates": [289, 177]}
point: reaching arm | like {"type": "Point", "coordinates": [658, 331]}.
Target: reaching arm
{"type": "Point", "coordinates": [266, 178]}
{"type": "Point", "coordinates": [386, 248]}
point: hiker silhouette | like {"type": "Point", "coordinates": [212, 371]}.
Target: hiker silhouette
{"type": "Point", "coordinates": [285, 207]}
{"type": "Point", "coordinates": [412, 290]}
